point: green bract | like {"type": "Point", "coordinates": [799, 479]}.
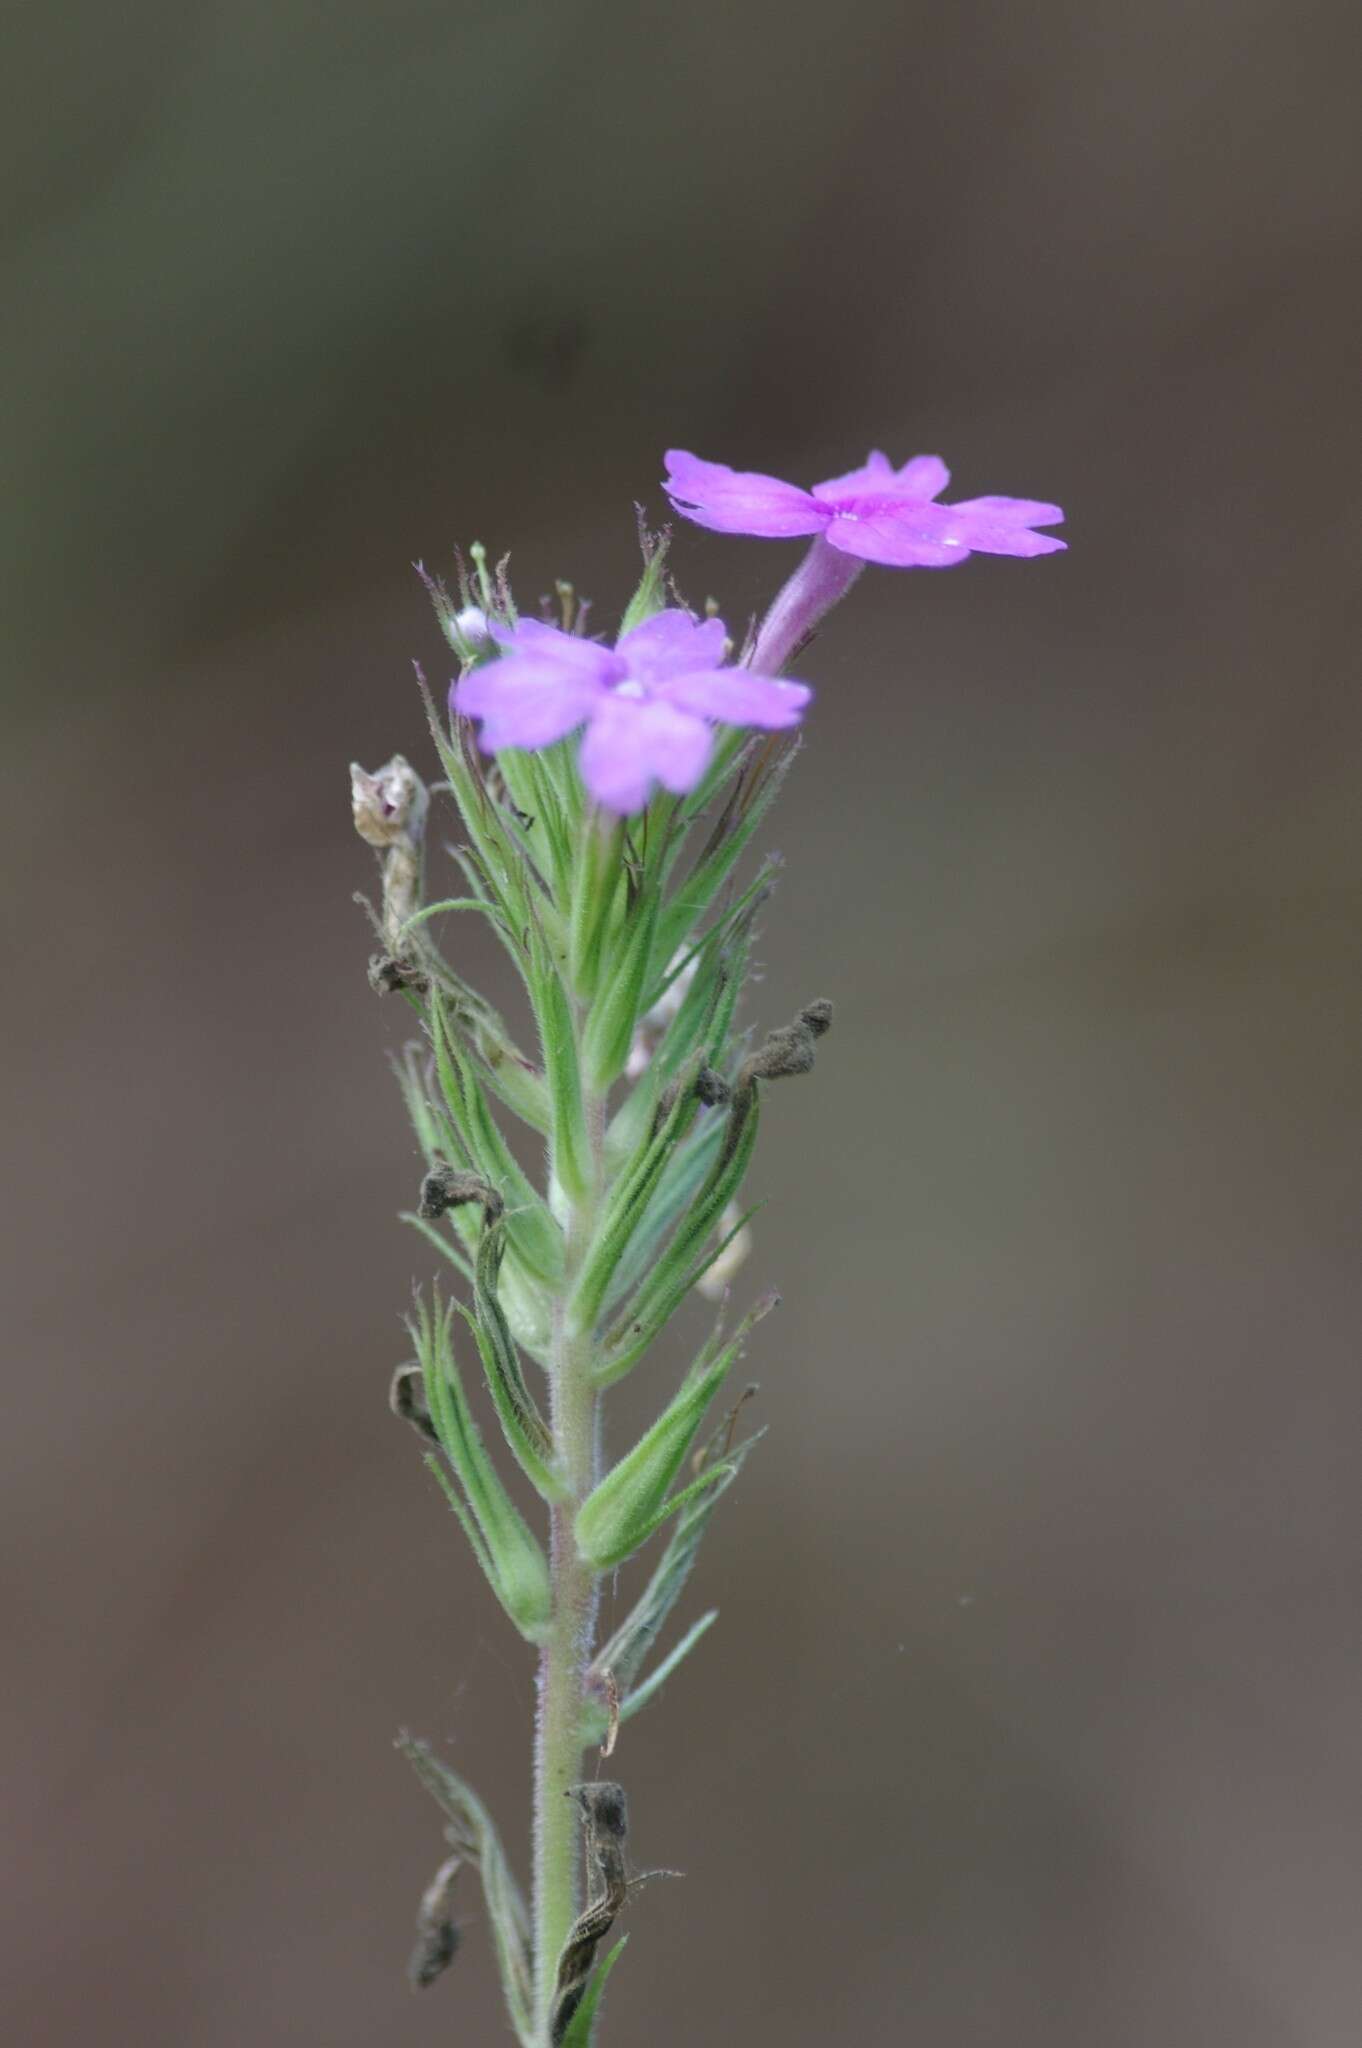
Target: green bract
{"type": "Point", "coordinates": [501, 1541]}
{"type": "Point", "coordinates": [619, 1516]}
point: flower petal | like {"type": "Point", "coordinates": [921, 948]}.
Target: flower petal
{"type": "Point", "coordinates": [739, 501]}
{"type": "Point", "coordinates": [874, 475]}
{"type": "Point", "coordinates": [1002, 526]}
{"type": "Point", "coordinates": [523, 702]}
{"type": "Point", "coordinates": [1011, 511]}
{"type": "Point", "coordinates": [671, 643]}
{"type": "Point", "coordinates": [633, 742]}
{"type": "Point", "coordinates": [922, 479]}
{"type": "Point", "coordinates": [549, 643]}
{"type": "Point", "coordinates": [737, 697]}
{"type": "Point", "coordinates": [926, 476]}
{"type": "Point", "coordinates": [984, 538]}
{"type": "Point", "coordinates": [901, 539]}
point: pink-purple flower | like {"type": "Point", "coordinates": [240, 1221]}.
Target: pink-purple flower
{"type": "Point", "coordinates": [649, 705]}
{"type": "Point", "coordinates": [876, 513]}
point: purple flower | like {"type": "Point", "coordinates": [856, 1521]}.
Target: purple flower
{"type": "Point", "coordinates": [649, 705]}
{"type": "Point", "coordinates": [877, 514]}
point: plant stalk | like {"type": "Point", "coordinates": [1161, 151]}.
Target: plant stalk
{"type": "Point", "coordinates": [566, 1654]}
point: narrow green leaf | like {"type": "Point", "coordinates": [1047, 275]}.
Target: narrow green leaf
{"type": "Point", "coordinates": [511, 1078]}
{"type": "Point", "coordinates": [629, 1201]}
{"type": "Point", "coordinates": [701, 1023]}
{"type": "Point", "coordinates": [554, 814]}
{"type": "Point", "coordinates": [509, 1554]}
{"type": "Point", "coordinates": [596, 1719]}
{"type": "Point", "coordinates": [726, 941]}
{"type": "Point", "coordinates": [631, 1501]}
{"type": "Point", "coordinates": [719, 1475]}
{"type": "Point", "coordinates": [440, 1241]}
{"type": "Point", "coordinates": [407, 1073]}
{"type": "Point", "coordinates": [485, 1037]}
{"type": "Point", "coordinates": [464, 1518]}
{"type": "Point", "coordinates": [732, 743]}
{"type": "Point", "coordinates": [581, 2029]}
{"type": "Point", "coordinates": [501, 862]}
{"type": "Point", "coordinates": [473, 1834]}
{"type": "Point", "coordinates": [751, 798]}
{"type": "Point", "coordinates": [641, 1333]}
{"type": "Point", "coordinates": [651, 595]}
{"type": "Point", "coordinates": [618, 1005]}
{"type": "Point", "coordinates": [675, 1191]}
{"type": "Point", "coordinates": [523, 1426]}
{"type": "Point", "coordinates": [654, 1682]}
{"type": "Point", "coordinates": [595, 886]}
{"type": "Point", "coordinates": [429, 910]}
{"type": "Point", "coordinates": [684, 1258]}
{"type": "Point", "coordinates": [569, 1146]}
{"type": "Point", "coordinates": [634, 1641]}
{"type": "Point", "coordinates": [533, 1233]}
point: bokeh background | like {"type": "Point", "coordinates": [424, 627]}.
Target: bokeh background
{"type": "Point", "coordinates": [1032, 1714]}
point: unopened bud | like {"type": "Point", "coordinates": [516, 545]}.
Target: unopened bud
{"type": "Point", "coordinates": [471, 624]}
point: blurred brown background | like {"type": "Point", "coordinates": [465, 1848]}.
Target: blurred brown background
{"type": "Point", "coordinates": [1032, 1715]}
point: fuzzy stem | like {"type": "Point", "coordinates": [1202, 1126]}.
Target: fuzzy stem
{"type": "Point", "coordinates": [567, 1652]}
{"type": "Point", "coordinates": [823, 577]}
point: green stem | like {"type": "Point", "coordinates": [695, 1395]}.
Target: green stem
{"type": "Point", "coordinates": [565, 1656]}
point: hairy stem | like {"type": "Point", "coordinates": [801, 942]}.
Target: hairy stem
{"type": "Point", "coordinates": [566, 1654]}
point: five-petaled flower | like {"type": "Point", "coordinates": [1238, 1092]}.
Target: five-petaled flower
{"type": "Point", "coordinates": [649, 705]}
{"type": "Point", "coordinates": [877, 513]}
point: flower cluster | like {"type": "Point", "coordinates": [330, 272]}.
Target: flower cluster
{"type": "Point", "coordinates": [648, 708]}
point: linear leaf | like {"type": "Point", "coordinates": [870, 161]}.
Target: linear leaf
{"type": "Point", "coordinates": [630, 1502]}
{"type": "Point", "coordinates": [535, 1237]}
{"type": "Point", "coordinates": [473, 1833]}
{"type": "Point", "coordinates": [633, 1642]}
{"type": "Point", "coordinates": [581, 2031]}
{"type": "Point", "coordinates": [523, 1426]}
{"type": "Point", "coordinates": [509, 1554]}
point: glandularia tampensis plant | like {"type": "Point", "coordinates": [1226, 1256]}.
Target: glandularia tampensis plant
{"type": "Point", "coordinates": [604, 801]}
